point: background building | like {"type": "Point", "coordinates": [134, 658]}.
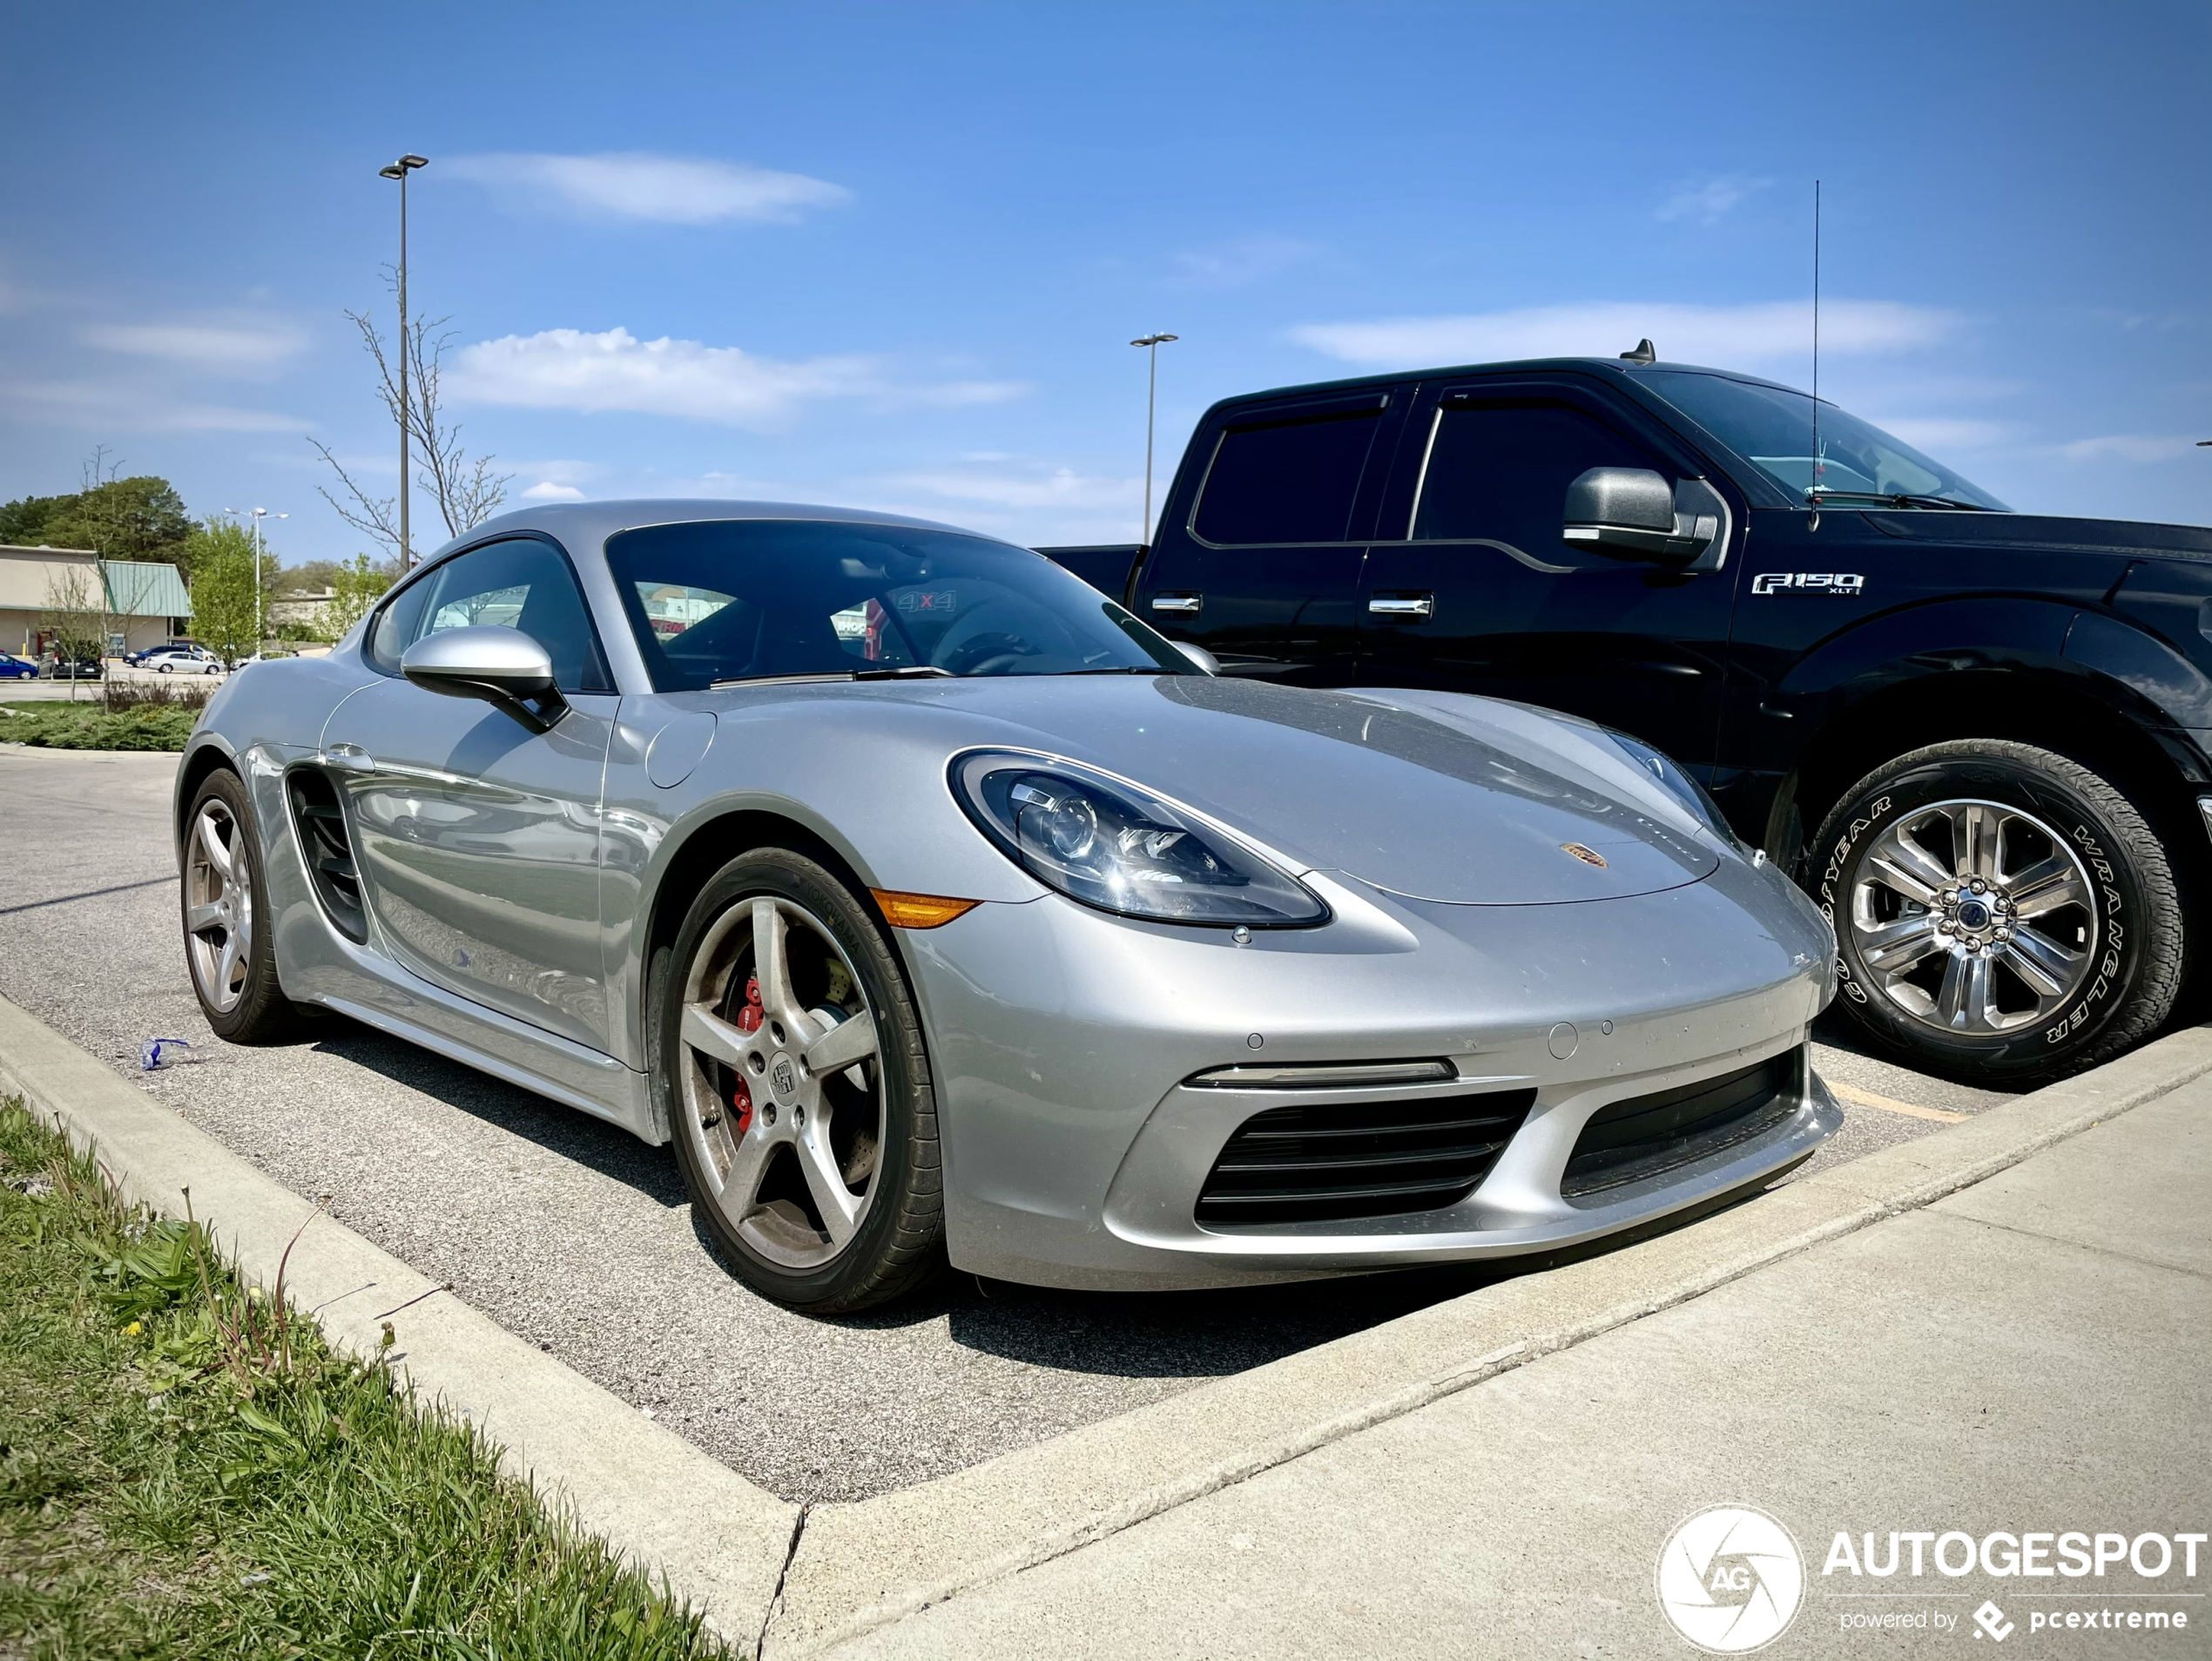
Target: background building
{"type": "Point", "coordinates": [144, 604]}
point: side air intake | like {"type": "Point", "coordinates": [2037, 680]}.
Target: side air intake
{"type": "Point", "coordinates": [328, 846]}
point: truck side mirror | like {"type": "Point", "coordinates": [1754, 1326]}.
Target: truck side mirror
{"type": "Point", "coordinates": [1630, 513]}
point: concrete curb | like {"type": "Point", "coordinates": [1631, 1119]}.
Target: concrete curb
{"type": "Point", "coordinates": [807, 1580]}
{"type": "Point", "coordinates": [721, 1541]}
{"type": "Point", "coordinates": [861, 1566]}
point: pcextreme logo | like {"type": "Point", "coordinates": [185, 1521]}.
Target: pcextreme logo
{"type": "Point", "coordinates": [1730, 1579]}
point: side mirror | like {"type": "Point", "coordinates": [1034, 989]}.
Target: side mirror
{"type": "Point", "coordinates": [1630, 513]}
{"type": "Point", "coordinates": [1199, 655]}
{"type": "Point", "coordinates": [504, 667]}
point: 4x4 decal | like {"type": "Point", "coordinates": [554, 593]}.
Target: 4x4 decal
{"type": "Point", "coordinates": [1848, 584]}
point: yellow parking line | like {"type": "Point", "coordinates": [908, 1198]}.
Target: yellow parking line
{"type": "Point", "coordinates": [1867, 1098]}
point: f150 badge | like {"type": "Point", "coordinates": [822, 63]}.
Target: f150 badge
{"type": "Point", "coordinates": [1848, 584]}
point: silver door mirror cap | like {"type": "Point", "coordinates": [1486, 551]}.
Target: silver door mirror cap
{"type": "Point", "coordinates": [502, 666]}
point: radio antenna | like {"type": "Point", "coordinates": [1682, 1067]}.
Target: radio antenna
{"type": "Point", "coordinates": [1812, 488]}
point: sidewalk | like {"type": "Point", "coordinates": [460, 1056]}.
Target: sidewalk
{"type": "Point", "coordinates": [2033, 1352]}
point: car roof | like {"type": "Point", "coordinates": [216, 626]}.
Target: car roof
{"type": "Point", "coordinates": [594, 522]}
{"type": "Point", "coordinates": [1582, 365]}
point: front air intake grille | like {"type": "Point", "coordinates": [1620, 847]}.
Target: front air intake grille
{"type": "Point", "coordinates": [1646, 1135]}
{"type": "Point", "coordinates": [328, 847]}
{"type": "Point", "coordinates": [1306, 1165]}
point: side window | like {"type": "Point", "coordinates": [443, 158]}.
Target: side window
{"type": "Point", "coordinates": [1499, 472]}
{"type": "Point", "coordinates": [520, 585]}
{"type": "Point", "coordinates": [1287, 480]}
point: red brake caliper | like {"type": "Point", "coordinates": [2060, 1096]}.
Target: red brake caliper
{"type": "Point", "coordinates": [748, 1021]}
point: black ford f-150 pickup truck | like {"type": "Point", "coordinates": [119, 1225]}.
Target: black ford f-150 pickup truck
{"type": "Point", "coordinates": [1982, 738]}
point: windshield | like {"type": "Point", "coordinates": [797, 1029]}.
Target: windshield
{"type": "Point", "coordinates": [762, 599]}
{"type": "Point", "coordinates": [1772, 428]}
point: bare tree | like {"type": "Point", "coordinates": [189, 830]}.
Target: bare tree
{"type": "Point", "coordinates": [464, 487]}
{"type": "Point", "coordinates": [76, 617]}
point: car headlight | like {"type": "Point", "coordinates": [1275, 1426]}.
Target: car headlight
{"type": "Point", "coordinates": [1677, 784]}
{"type": "Point", "coordinates": [1123, 849]}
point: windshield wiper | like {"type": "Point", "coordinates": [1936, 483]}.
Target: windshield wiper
{"type": "Point", "coordinates": [1895, 498]}
{"type": "Point", "coordinates": [905, 672]}
{"type": "Point", "coordinates": [1124, 669]}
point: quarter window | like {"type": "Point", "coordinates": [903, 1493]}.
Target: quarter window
{"type": "Point", "coordinates": [1287, 480]}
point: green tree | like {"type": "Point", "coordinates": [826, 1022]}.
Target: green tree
{"type": "Point", "coordinates": [221, 562]}
{"type": "Point", "coordinates": [358, 583]}
{"type": "Point", "coordinates": [136, 518]}
{"type": "Point", "coordinates": [23, 522]}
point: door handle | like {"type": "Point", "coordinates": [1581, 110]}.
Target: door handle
{"type": "Point", "coordinates": [348, 758]}
{"type": "Point", "coordinates": [1402, 606]}
{"type": "Point", "coordinates": [1181, 605]}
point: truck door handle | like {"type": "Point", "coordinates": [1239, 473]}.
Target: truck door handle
{"type": "Point", "coordinates": [1413, 606]}
{"type": "Point", "coordinates": [348, 758]}
{"type": "Point", "coordinates": [1181, 605]}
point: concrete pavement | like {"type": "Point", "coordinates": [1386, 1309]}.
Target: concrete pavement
{"type": "Point", "coordinates": [2033, 1355]}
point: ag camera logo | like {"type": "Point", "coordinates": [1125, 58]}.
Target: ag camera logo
{"type": "Point", "coordinates": [1730, 1579]}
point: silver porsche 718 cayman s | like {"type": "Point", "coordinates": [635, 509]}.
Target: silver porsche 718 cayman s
{"type": "Point", "coordinates": [937, 908]}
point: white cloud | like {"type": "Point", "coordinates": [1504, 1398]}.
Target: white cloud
{"type": "Point", "coordinates": [1708, 200]}
{"type": "Point", "coordinates": [635, 185]}
{"type": "Point", "coordinates": [106, 406]}
{"type": "Point", "coordinates": [239, 347]}
{"type": "Point", "coordinates": [1727, 336]}
{"type": "Point", "coordinates": [2130, 447]}
{"type": "Point", "coordinates": [568, 368]}
{"type": "Point", "coordinates": [1243, 260]}
{"type": "Point", "coordinates": [547, 490]}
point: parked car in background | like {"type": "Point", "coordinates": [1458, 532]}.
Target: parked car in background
{"type": "Point", "coordinates": [56, 667]}
{"type": "Point", "coordinates": [14, 668]}
{"type": "Point", "coordinates": [1982, 738]}
{"type": "Point", "coordinates": [930, 903]}
{"type": "Point", "coordinates": [188, 660]}
{"type": "Point", "coordinates": [134, 659]}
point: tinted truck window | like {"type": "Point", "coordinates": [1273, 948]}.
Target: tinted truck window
{"type": "Point", "coordinates": [1499, 472]}
{"type": "Point", "coordinates": [1287, 480]}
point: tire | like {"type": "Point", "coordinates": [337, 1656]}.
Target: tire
{"type": "Point", "coordinates": [237, 989]}
{"type": "Point", "coordinates": [2070, 952]}
{"type": "Point", "coordinates": [766, 1164]}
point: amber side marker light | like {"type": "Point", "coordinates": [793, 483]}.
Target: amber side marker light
{"type": "Point", "coordinates": [920, 910]}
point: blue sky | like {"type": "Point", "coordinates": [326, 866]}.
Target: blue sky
{"type": "Point", "coordinates": [890, 254]}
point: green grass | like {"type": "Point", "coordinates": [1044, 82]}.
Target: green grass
{"type": "Point", "coordinates": [87, 727]}
{"type": "Point", "coordinates": [187, 1470]}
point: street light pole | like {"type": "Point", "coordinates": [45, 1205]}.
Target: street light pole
{"type": "Point", "coordinates": [1151, 343]}
{"type": "Point", "coordinates": [258, 515]}
{"type": "Point", "coordinates": [399, 169]}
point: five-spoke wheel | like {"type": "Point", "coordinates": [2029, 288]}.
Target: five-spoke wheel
{"type": "Point", "coordinates": [226, 917]}
{"type": "Point", "coordinates": [795, 1080]}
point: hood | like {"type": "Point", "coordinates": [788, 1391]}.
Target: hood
{"type": "Point", "coordinates": [2043, 531]}
{"type": "Point", "coordinates": [1436, 796]}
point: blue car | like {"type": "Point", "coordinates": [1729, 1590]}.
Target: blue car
{"type": "Point", "coordinates": [14, 668]}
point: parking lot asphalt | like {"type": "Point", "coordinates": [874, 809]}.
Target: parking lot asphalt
{"type": "Point", "coordinates": [574, 1235]}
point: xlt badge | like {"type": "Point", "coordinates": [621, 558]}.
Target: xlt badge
{"type": "Point", "coordinates": [1849, 584]}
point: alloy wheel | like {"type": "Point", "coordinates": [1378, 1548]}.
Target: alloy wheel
{"type": "Point", "coordinates": [1974, 918]}
{"type": "Point", "coordinates": [783, 1093]}
{"type": "Point", "coordinates": [218, 907]}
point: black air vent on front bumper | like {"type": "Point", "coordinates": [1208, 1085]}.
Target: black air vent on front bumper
{"type": "Point", "coordinates": [1648, 1135]}
{"type": "Point", "coordinates": [328, 849]}
{"type": "Point", "coordinates": [1302, 1164]}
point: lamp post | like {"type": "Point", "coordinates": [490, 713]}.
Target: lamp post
{"type": "Point", "coordinates": [399, 169]}
{"type": "Point", "coordinates": [258, 515]}
{"type": "Point", "coordinates": [1151, 343]}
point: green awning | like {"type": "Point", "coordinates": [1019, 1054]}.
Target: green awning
{"type": "Point", "coordinates": [140, 589]}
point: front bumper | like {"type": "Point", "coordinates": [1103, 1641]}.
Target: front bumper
{"type": "Point", "coordinates": [1075, 1154]}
